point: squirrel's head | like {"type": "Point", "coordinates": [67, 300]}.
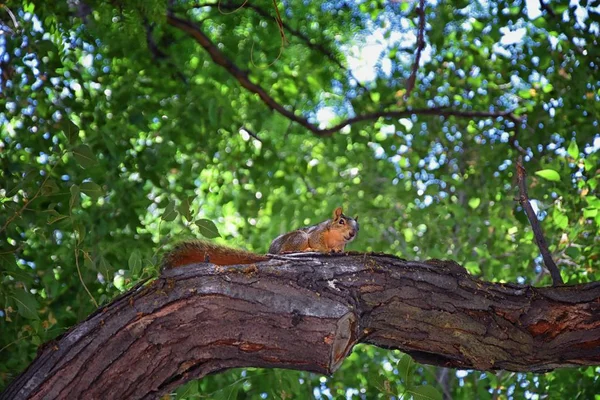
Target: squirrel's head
{"type": "Point", "coordinates": [347, 226]}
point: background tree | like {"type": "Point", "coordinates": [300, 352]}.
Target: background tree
{"type": "Point", "coordinates": [128, 125]}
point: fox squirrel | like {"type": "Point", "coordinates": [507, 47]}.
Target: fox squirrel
{"type": "Point", "coordinates": [328, 236]}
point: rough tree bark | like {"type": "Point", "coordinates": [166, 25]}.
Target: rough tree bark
{"type": "Point", "coordinates": [307, 312]}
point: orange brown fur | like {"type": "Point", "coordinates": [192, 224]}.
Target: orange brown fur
{"type": "Point", "coordinates": [198, 251]}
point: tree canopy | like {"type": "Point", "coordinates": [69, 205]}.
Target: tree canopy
{"type": "Point", "coordinates": [127, 126]}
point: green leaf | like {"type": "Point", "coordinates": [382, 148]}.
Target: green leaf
{"type": "Point", "coordinates": [91, 189]}
{"type": "Point", "coordinates": [70, 130]}
{"type": "Point", "coordinates": [184, 209]}
{"type": "Point", "coordinates": [207, 228]}
{"type": "Point", "coordinates": [75, 199]}
{"type": "Point", "coordinates": [549, 174]}
{"type": "Point", "coordinates": [560, 219]}
{"type": "Point", "coordinates": [135, 262]}
{"type": "Point", "coordinates": [405, 366]}
{"type": "Point", "coordinates": [169, 214]}
{"type": "Point", "coordinates": [474, 202]}
{"type": "Point", "coordinates": [55, 217]}
{"type": "Point", "coordinates": [50, 187]}
{"type": "Point", "coordinates": [104, 267]}
{"type": "Point", "coordinates": [27, 305]}
{"type": "Point", "coordinates": [590, 212]}
{"type": "Point", "coordinates": [84, 156]}
{"type": "Point", "coordinates": [80, 232]}
{"type": "Point", "coordinates": [573, 149]}
{"type": "Point", "coordinates": [425, 392]}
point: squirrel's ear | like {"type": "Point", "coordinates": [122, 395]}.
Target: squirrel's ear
{"type": "Point", "coordinates": [337, 213]}
{"type": "Point", "coordinates": [356, 218]}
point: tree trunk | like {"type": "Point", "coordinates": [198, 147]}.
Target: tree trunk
{"type": "Point", "coordinates": [306, 312]}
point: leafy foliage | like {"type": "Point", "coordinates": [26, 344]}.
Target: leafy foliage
{"type": "Point", "coordinates": [119, 136]}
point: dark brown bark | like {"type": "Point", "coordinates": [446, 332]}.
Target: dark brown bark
{"type": "Point", "coordinates": [307, 312]}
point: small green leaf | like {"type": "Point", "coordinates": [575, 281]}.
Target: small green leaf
{"type": "Point", "coordinates": [560, 219]}
{"type": "Point", "coordinates": [55, 217]}
{"type": "Point", "coordinates": [169, 214]}
{"type": "Point", "coordinates": [184, 209]}
{"type": "Point", "coordinates": [473, 267]}
{"type": "Point", "coordinates": [474, 202]}
{"type": "Point", "coordinates": [75, 197]}
{"type": "Point", "coordinates": [80, 232]}
{"type": "Point", "coordinates": [119, 282]}
{"type": "Point", "coordinates": [207, 228]}
{"type": "Point", "coordinates": [104, 267]}
{"type": "Point", "coordinates": [84, 156]}
{"type": "Point", "coordinates": [50, 187]}
{"type": "Point", "coordinates": [549, 174]}
{"type": "Point", "coordinates": [91, 189]}
{"type": "Point", "coordinates": [135, 262]}
{"type": "Point", "coordinates": [405, 367]}
{"type": "Point", "coordinates": [573, 149]}
{"type": "Point", "coordinates": [590, 212]}
{"type": "Point", "coordinates": [70, 130]}
{"type": "Point", "coordinates": [425, 393]}
{"type": "Point", "coordinates": [27, 305]}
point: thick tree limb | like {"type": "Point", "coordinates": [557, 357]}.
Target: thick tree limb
{"type": "Point", "coordinates": [306, 312]}
{"type": "Point", "coordinates": [243, 78]}
{"type": "Point", "coordinates": [535, 224]}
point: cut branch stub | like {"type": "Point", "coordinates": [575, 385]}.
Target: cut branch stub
{"type": "Point", "coordinates": [307, 312]}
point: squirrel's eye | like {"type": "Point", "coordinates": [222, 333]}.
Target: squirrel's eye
{"type": "Point", "coordinates": [342, 222]}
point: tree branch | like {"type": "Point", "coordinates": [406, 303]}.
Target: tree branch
{"type": "Point", "coordinates": [295, 32]}
{"type": "Point", "coordinates": [306, 312]}
{"type": "Point", "coordinates": [535, 224]}
{"type": "Point", "coordinates": [410, 83]}
{"type": "Point", "coordinates": [243, 78]}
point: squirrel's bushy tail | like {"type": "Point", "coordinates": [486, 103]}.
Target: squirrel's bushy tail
{"type": "Point", "coordinates": [198, 251]}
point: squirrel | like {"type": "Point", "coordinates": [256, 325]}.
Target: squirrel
{"type": "Point", "coordinates": [328, 236]}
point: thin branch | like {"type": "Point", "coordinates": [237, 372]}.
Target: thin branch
{"type": "Point", "coordinates": [295, 32]}
{"type": "Point", "coordinates": [252, 133]}
{"type": "Point", "coordinates": [243, 78]}
{"type": "Point", "coordinates": [535, 225]}
{"type": "Point", "coordinates": [410, 83]}
{"type": "Point", "coordinates": [76, 250]}
{"type": "Point", "coordinates": [12, 16]}
{"type": "Point", "coordinates": [513, 139]}
{"type": "Point", "coordinates": [27, 202]}
{"type": "Point", "coordinates": [159, 55]}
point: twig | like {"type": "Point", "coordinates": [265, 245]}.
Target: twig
{"type": "Point", "coordinates": [410, 83]}
{"type": "Point", "coordinates": [12, 16]}
{"type": "Point", "coordinates": [76, 250]}
{"type": "Point", "coordinates": [28, 201]}
{"type": "Point", "coordinates": [535, 225]}
{"type": "Point", "coordinates": [157, 53]}
{"type": "Point", "coordinates": [251, 133]}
